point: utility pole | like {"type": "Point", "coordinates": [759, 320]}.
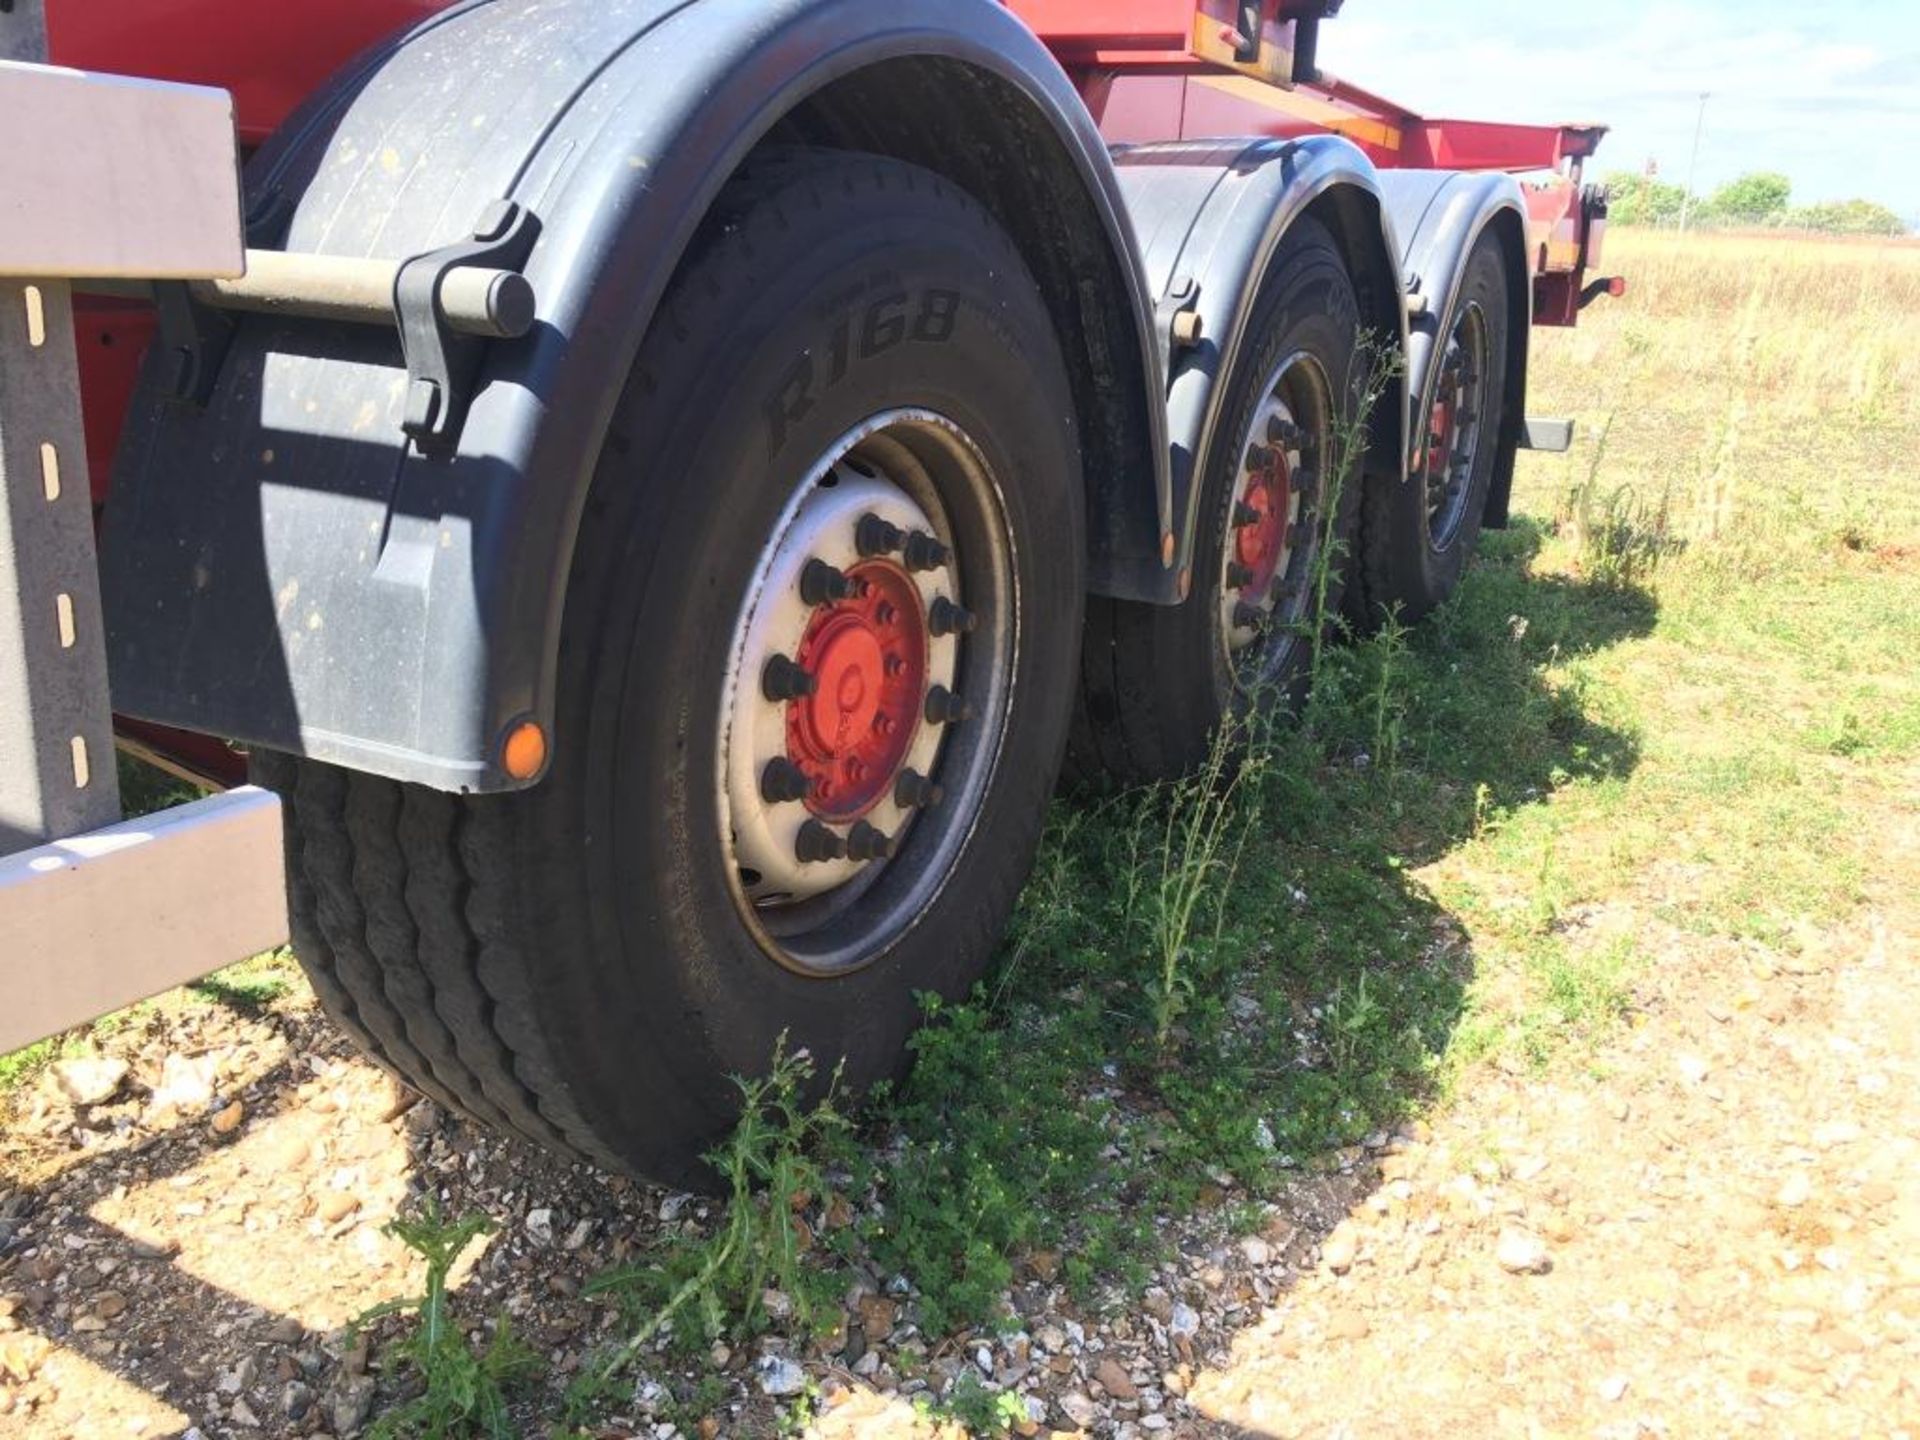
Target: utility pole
{"type": "Point", "coordinates": [1693, 164]}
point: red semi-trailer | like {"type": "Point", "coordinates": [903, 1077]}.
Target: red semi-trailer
{"type": "Point", "coordinates": [649, 491]}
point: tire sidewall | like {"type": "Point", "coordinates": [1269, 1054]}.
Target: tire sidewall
{"type": "Point", "coordinates": [1427, 574]}
{"type": "Point", "coordinates": [677, 969]}
{"type": "Point", "coordinates": [1306, 306]}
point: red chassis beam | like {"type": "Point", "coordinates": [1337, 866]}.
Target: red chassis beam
{"type": "Point", "coordinates": [1191, 69]}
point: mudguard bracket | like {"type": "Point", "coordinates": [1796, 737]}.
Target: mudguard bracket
{"type": "Point", "coordinates": [442, 363]}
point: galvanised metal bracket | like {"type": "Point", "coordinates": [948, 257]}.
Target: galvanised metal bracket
{"type": "Point", "coordinates": [57, 773]}
{"type": "Point", "coordinates": [56, 735]}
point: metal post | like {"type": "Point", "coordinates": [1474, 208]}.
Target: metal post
{"type": "Point", "coordinates": [94, 915]}
{"type": "Point", "coordinates": [23, 31]}
{"type": "Point", "coordinates": [1699, 124]}
{"type": "Point", "coordinates": [57, 773]}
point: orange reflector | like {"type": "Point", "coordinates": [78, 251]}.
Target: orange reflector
{"type": "Point", "coordinates": [525, 751]}
{"type": "Point", "coordinates": [1617, 286]}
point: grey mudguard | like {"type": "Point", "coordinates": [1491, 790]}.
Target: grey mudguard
{"type": "Point", "coordinates": [1440, 215]}
{"type": "Point", "coordinates": [282, 569]}
{"type": "Point", "coordinates": [1211, 213]}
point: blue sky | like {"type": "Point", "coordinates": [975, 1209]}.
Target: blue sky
{"type": "Point", "coordinates": [1828, 94]}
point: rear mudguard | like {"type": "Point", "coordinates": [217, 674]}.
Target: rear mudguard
{"type": "Point", "coordinates": [1210, 215]}
{"type": "Point", "coordinates": [281, 568]}
{"type": "Point", "coordinates": [1441, 216]}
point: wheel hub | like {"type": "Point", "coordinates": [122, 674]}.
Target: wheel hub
{"type": "Point", "coordinates": [1268, 508]}
{"type": "Point", "coordinates": [1454, 426]}
{"type": "Point", "coordinates": [1262, 542]}
{"type": "Point", "coordinates": [1440, 440]}
{"type": "Point", "coordinates": [829, 694]}
{"type": "Point", "coordinates": [868, 655]}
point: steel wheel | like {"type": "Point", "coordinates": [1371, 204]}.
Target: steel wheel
{"type": "Point", "coordinates": [1455, 425]}
{"type": "Point", "coordinates": [1273, 535]}
{"type": "Point", "coordinates": [1415, 538]}
{"type": "Point", "coordinates": [1158, 680]}
{"type": "Point", "coordinates": [852, 433]}
{"type": "Point", "coordinates": [868, 691]}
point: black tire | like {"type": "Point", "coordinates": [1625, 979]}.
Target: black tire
{"type": "Point", "coordinates": [1409, 564]}
{"type": "Point", "coordinates": [575, 962]}
{"type": "Point", "coordinates": [1156, 681]}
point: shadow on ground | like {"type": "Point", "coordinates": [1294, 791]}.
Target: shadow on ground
{"type": "Point", "coordinates": [1157, 1089]}
{"type": "Point", "coordinates": [1239, 996]}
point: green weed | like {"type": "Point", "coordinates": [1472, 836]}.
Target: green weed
{"type": "Point", "coordinates": [24, 1064]}
{"type": "Point", "coordinates": [1388, 699]}
{"type": "Point", "coordinates": [1204, 826]}
{"type": "Point", "coordinates": [979, 1407]}
{"type": "Point", "coordinates": [1351, 1012]}
{"type": "Point", "coordinates": [251, 986]}
{"type": "Point", "coordinates": [694, 1292]}
{"type": "Point", "coordinates": [1376, 365]}
{"type": "Point", "coordinates": [464, 1391]}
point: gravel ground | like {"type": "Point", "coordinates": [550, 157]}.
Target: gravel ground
{"type": "Point", "coordinates": [1710, 1227]}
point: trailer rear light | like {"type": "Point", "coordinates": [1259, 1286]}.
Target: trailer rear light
{"type": "Point", "coordinates": [524, 752]}
{"type": "Point", "coordinates": [1610, 285]}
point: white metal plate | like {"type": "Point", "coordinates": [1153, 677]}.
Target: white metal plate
{"type": "Point", "coordinates": [96, 922]}
{"type": "Point", "coordinates": [1541, 433]}
{"type": "Point", "coordinates": [105, 176]}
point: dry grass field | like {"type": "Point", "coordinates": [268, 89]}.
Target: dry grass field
{"type": "Point", "coordinates": [1522, 1045]}
{"type": "Point", "coordinates": [1749, 384]}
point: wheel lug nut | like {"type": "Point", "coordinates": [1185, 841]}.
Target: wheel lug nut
{"type": "Point", "coordinates": [821, 582]}
{"type": "Point", "coordinates": [855, 771]}
{"type": "Point", "coordinates": [946, 618]}
{"type": "Point", "coordinates": [1284, 433]}
{"type": "Point", "coordinates": [873, 535]}
{"type": "Point", "coordinates": [1259, 457]}
{"type": "Point", "coordinates": [945, 708]}
{"type": "Point", "coordinates": [1247, 616]}
{"type": "Point", "coordinates": [816, 842]}
{"type": "Point", "coordinates": [894, 665]}
{"type": "Point", "coordinates": [883, 724]}
{"type": "Point", "coordinates": [884, 613]}
{"type": "Point", "coordinates": [783, 780]}
{"type": "Point", "coordinates": [924, 552]}
{"type": "Point", "coordinates": [1244, 515]}
{"type": "Point", "coordinates": [1238, 575]}
{"type": "Point", "coordinates": [914, 791]}
{"type": "Point", "coordinates": [782, 679]}
{"type": "Point", "coordinates": [868, 842]}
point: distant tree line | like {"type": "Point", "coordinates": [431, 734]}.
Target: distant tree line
{"type": "Point", "coordinates": [1761, 198]}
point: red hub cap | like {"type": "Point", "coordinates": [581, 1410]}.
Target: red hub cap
{"type": "Point", "coordinates": [1262, 541]}
{"type": "Point", "coordinates": [1440, 439]}
{"type": "Point", "coordinates": [868, 655]}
